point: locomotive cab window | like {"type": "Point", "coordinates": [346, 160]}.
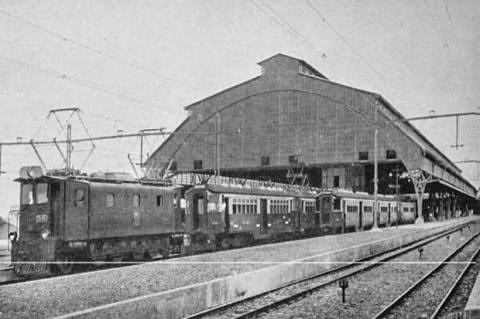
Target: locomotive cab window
{"type": "Point", "coordinates": [42, 189]}
{"type": "Point", "coordinates": [159, 201]}
{"type": "Point", "coordinates": [27, 194]}
{"type": "Point", "coordinates": [110, 198]}
{"type": "Point", "coordinates": [136, 200]}
{"type": "Point", "coordinates": [80, 197]}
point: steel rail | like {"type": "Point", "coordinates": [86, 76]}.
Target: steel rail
{"type": "Point", "coordinates": [455, 285]}
{"type": "Point", "coordinates": [399, 251]}
{"type": "Point", "coordinates": [407, 292]}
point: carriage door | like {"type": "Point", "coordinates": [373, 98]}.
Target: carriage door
{"type": "Point", "coordinates": [227, 217]}
{"type": "Point", "coordinates": [301, 211]}
{"type": "Point", "coordinates": [389, 212]}
{"type": "Point", "coordinates": [263, 212]}
{"type": "Point", "coordinates": [318, 210]}
{"type": "Point", "coordinates": [360, 217]}
{"type": "Point", "coordinates": [198, 210]}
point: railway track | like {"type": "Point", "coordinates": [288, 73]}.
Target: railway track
{"type": "Point", "coordinates": [263, 303]}
{"type": "Point", "coordinates": [427, 296]}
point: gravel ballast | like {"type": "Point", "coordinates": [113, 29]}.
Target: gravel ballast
{"type": "Point", "coordinates": [370, 291]}
{"type": "Point", "coordinates": [57, 296]}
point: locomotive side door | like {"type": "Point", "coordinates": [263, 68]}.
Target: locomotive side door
{"type": "Point", "coordinates": [227, 216]}
{"type": "Point", "coordinates": [263, 212]}
{"type": "Point", "coordinates": [76, 211]}
{"type": "Point", "coordinates": [56, 214]}
{"type": "Point", "coordinates": [360, 213]}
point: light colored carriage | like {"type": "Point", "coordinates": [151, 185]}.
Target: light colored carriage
{"type": "Point", "coordinates": [407, 213]}
{"type": "Point", "coordinates": [357, 209]}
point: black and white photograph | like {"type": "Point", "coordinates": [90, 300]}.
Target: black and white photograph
{"type": "Point", "coordinates": [240, 159]}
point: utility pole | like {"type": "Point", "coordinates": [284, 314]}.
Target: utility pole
{"type": "Point", "coordinates": [1, 172]}
{"type": "Point", "coordinates": [141, 148]}
{"type": "Point", "coordinates": [217, 146]}
{"type": "Point", "coordinates": [69, 148]}
{"type": "Point", "coordinates": [456, 136]}
{"type": "Point", "coordinates": [375, 173]}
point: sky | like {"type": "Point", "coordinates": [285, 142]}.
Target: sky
{"type": "Point", "coordinates": [131, 65]}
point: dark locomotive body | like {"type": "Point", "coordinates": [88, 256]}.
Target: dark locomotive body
{"type": "Point", "coordinates": [67, 219]}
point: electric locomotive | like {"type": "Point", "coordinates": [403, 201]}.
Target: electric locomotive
{"type": "Point", "coordinates": [63, 219]}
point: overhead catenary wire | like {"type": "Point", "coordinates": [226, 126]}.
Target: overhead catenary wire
{"type": "Point", "coordinates": [274, 16]}
{"type": "Point", "coordinates": [90, 85]}
{"type": "Point", "coordinates": [442, 33]}
{"type": "Point", "coordinates": [345, 40]}
{"type": "Point", "coordinates": [94, 50]}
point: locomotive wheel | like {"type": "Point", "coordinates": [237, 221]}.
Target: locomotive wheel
{"type": "Point", "coordinates": [63, 266]}
{"type": "Point", "coordinates": [237, 242]}
{"type": "Point", "coordinates": [146, 255]}
{"type": "Point", "coordinates": [225, 243]}
{"type": "Point", "coordinates": [128, 257]}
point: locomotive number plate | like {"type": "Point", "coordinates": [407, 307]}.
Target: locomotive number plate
{"type": "Point", "coordinates": [41, 218]}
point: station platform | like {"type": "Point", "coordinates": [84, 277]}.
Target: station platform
{"type": "Point", "coordinates": [472, 309]}
{"type": "Point", "coordinates": [179, 287]}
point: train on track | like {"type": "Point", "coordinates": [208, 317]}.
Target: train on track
{"type": "Point", "coordinates": [68, 219]}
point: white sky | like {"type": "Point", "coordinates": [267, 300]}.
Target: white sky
{"type": "Point", "coordinates": [134, 64]}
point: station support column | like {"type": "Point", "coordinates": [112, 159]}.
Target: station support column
{"type": "Point", "coordinates": [420, 181]}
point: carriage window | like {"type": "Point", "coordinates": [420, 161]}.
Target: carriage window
{"type": "Point", "coordinates": [136, 200]}
{"type": "Point", "coordinates": [363, 156]}
{"type": "Point", "coordinates": [79, 197]}
{"type": "Point", "coordinates": [336, 181]}
{"type": "Point", "coordinates": [175, 199]}
{"type": "Point", "coordinates": [391, 154]}
{"type": "Point", "coordinates": [109, 200]}
{"type": "Point", "coordinates": [336, 203]}
{"type": "Point", "coordinates": [384, 209]}
{"type": "Point", "coordinates": [42, 197]}
{"type": "Point", "coordinates": [309, 207]}
{"type": "Point", "coordinates": [368, 209]}
{"type": "Point", "coordinates": [197, 164]}
{"type": "Point", "coordinates": [351, 209]}
{"type": "Point", "coordinates": [27, 194]}
{"type": "Point", "coordinates": [265, 161]}
{"type": "Point", "coordinates": [405, 209]}
{"type": "Point", "coordinates": [159, 200]}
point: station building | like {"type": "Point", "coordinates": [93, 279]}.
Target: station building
{"type": "Point", "coordinates": [292, 124]}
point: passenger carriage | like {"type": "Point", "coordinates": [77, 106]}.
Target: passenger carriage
{"type": "Point", "coordinates": [354, 210]}
{"type": "Point", "coordinates": [227, 216]}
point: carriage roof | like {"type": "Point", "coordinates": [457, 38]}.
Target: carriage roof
{"type": "Point", "coordinates": [343, 193]}
{"type": "Point", "coordinates": [288, 190]}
